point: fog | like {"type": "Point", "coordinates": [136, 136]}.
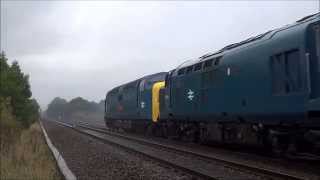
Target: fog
{"type": "Point", "coordinates": [78, 48]}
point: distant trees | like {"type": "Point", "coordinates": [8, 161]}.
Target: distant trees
{"type": "Point", "coordinates": [15, 90]}
{"type": "Point", "coordinates": [101, 105]}
{"type": "Point", "coordinates": [80, 104]}
{"type": "Point", "coordinates": [60, 108]}
{"type": "Point", "coordinates": [57, 107]}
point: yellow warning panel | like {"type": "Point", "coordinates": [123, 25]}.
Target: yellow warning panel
{"type": "Point", "coordinates": [155, 100]}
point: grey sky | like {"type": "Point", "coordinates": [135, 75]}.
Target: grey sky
{"type": "Point", "coordinates": [72, 48]}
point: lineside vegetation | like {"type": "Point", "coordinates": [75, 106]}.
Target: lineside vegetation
{"type": "Point", "coordinates": [23, 150]}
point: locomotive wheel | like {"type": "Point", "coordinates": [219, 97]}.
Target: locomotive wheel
{"type": "Point", "coordinates": [279, 145]}
{"type": "Point", "coordinates": [203, 137]}
{"type": "Point", "coordinates": [150, 130]}
{"type": "Point", "coordinates": [164, 129]}
{"type": "Point", "coordinates": [157, 130]}
{"type": "Point", "coordinates": [172, 130]}
{"type": "Point", "coordinates": [191, 133]}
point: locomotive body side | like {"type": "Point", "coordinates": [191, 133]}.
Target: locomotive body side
{"type": "Point", "coordinates": [248, 82]}
{"type": "Point", "coordinates": [262, 92]}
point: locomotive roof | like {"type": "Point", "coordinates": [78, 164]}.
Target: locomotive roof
{"type": "Point", "coordinates": [151, 76]}
{"type": "Point", "coordinates": [255, 39]}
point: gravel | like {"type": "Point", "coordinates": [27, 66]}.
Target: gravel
{"type": "Point", "coordinates": [89, 158]}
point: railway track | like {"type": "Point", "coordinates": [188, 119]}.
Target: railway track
{"type": "Point", "coordinates": [188, 160]}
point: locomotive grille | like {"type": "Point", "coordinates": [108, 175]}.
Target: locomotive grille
{"type": "Point", "coordinates": [286, 73]}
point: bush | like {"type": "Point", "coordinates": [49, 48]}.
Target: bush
{"type": "Point", "coordinates": [15, 89]}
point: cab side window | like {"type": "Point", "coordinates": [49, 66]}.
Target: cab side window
{"type": "Point", "coordinates": [141, 86]}
{"type": "Point", "coordinates": [181, 71]}
{"type": "Point", "coordinates": [189, 69]}
{"type": "Point", "coordinates": [198, 67]}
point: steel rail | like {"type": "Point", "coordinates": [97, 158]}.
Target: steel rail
{"type": "Point", "coordinates": [187, 170]}
{"type": "Point", "coordinates": [260, 171]}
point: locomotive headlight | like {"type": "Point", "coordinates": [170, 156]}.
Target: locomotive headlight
{"type": "Point", "coordinates": [166, 97]}
{"type": "Point", "coordinates": [228, 71]}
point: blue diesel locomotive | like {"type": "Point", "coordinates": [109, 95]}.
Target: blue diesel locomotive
{"type": "Point", "coordinates": [129, 106]}
{"type": "Point", "coordinates": [261, 91]}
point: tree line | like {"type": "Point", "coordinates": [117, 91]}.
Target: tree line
{"type": "Point", "coordinates": [15, 92]}
{"type": "Point", "coordinates": [61, 108]}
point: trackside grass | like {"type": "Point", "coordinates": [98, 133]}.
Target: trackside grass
{"type": "Point", "coordinates": [24, 153]}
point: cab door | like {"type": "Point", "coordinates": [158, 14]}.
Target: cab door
{"type": "Point", "coordinates": [142, 101]}
{"type": "Point", "coordinates": [313, 57]}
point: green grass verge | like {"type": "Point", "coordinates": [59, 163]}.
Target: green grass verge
{"type": "Point", "coordinates": [24, 153]}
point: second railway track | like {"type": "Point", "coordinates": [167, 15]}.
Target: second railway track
{"type": "Point", "coordinates": [206, 166]}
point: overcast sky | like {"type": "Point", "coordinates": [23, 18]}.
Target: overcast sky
{"type": "Point", "coordinates": [72, 48]}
